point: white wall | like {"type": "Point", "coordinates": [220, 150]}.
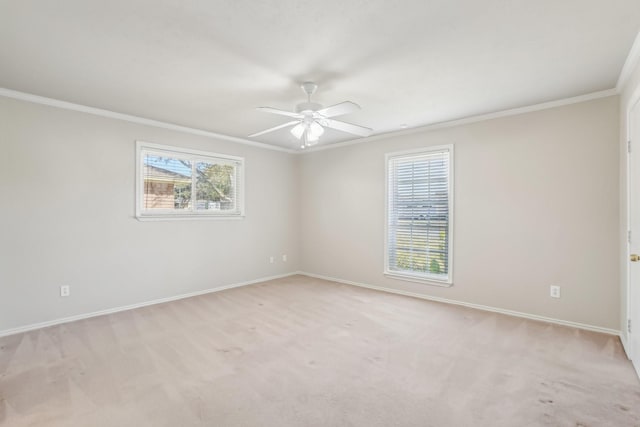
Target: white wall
{"type": "Point", "coordinates": [67, 217]}
{"type": "Point", "coordinates": [536, 203]}
{"type": "Point", "coordinates": [629, 94]}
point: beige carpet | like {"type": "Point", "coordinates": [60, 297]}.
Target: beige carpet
{"type": "Point", "coordinates": [306, 352]}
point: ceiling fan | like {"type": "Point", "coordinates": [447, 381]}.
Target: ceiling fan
{"type": "Point", "coordinates": [311, 118]}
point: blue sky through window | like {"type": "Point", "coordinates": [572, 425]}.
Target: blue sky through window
{"type": "Point", "coordinates": [169, 164]}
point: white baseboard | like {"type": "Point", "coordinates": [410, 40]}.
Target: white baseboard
{"type": "Point", "coordinates": [39, 325]}
{"type": "Point", "coordinates": [33, 326]}
{"type": "Point", "coordinates": [470, 305]}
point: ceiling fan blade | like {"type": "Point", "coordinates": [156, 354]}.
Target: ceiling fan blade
{"type": "Point", "coordinates": [298, 130]}
{"type": "Point", "coordinates": [347, 127]}
{"type": "Point", "coordinates": [281, 112]}
{"type": "Point", "coordinates": [339, 109]}
{"type": "Point", "coordinates": [273, 129]}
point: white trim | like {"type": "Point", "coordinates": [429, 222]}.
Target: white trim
{"type": "Point", "coordinates": [468, 120]}
{"type": "Point", "coordinates": [625, 345]}
{"type": "Point", "coordinates": [27, 328]}
{"type": "Point", "coordinates": [633, 100]}
{"type": "Point", "coordinates": [629, 64]}
{"type": "Point", "coordinates": [180, 150]}
{"type": "Point", "coordinates": [40, 325]}
{"type": "Point", "coordinates": [427, 280]}
{"type": "Point", "coordinates": [189, 217]}
{"type": "Point", "coordinates": [627, 350]}
{"type": "Point", "coordinates": [186, 153]}
{"type": "Point", "coordinates": [627, 276]}
{"type": "Point", "coordinates": [36, 99]}
{"type": "Point", "coordinates": [470, 305]}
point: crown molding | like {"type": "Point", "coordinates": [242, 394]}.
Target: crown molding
{"type": "Point", "coordinates": [36, 99]}
{"type": "Point", "coordinates": [8, 93]}
{"type": "Point", "coordinates": [629, 64]}
{"type": "Point", "coordinates": [470, 119]}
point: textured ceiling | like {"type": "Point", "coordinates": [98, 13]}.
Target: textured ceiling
{"type": "Point", "coordinates": [208, 64]}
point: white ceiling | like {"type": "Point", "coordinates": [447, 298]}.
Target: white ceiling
{"type": "Point", "coordinates": [207, 64]}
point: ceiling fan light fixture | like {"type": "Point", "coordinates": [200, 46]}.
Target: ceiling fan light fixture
{"type": "Point", "coordinates": [309, 141]}
{"type": "Point", "coordinates": [308, 107]}
{"type": "Point", "coordinates": [298, 130]}
{"type": "Point", "coordinates": [311, 136]}
{"type": "Point", "coordinates": [316, 129]}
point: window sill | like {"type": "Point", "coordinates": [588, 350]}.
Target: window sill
{"type": "Point", "coordinates": [188, 217]}
{"type": "Point", "coordinates": [425, 280]}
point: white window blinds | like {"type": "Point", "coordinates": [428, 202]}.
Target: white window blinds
{"type": "Point", "coordinates": [419, 214]}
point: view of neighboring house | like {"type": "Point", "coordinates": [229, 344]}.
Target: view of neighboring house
{"type": "Point", "coordinates": [161, 186]}
{"type": "Point", "coordinates": [167, 183]}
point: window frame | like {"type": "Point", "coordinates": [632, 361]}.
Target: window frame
{"type": "Point", "coordinates": [424, 278]}
{"type": "Point", "coordinates": [143, 148]}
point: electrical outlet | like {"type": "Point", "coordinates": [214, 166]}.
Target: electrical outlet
{"type": "Point", "coordinates": [284, 257]}
{"type": "Point", "coordinates": [271, 259]}
{"type": "Point", "coordinates": [65, 290]}
{"type": "Point", "coordinates": [554, 291]}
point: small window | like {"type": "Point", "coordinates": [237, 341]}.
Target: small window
{"type": "Point", "coordinates": [419, 213]}
{"type": "Point", "coordinates": [174, 183]}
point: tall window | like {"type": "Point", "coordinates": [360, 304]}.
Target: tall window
{"type": "Point", "coordinates": [174, 183]}
{"type": "Point", "coordinates": [419, 213]}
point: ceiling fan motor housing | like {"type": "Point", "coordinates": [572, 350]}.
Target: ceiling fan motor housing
{"type": "Point", "coordinates": [304, 107]}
